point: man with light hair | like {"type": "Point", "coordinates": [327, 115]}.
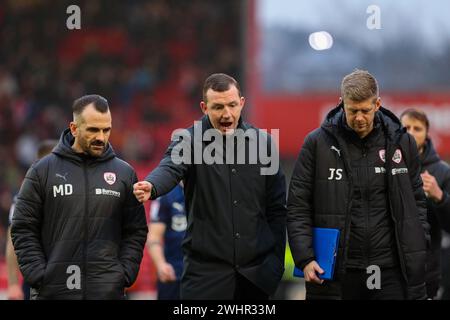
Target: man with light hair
{"type": "Point", "coordinates": [360, 173]}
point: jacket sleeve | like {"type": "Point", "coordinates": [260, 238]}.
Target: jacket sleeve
{"type": "Point", "coordinates": [26, 229]}
{"type": "Point", "coordinates": [300, 206]}
{"type": "Point", "coordinates": [169, 173]}
{"type": "Point", "coordinates": [414, 169]}
{"type": "Point", "coordinates": [442, 208]}
{"type": "Point", "coordinates": [276, 210]}
{"type": "Point", "coordinates": [134, 235]}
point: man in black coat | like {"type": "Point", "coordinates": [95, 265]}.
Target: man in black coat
{"type": "Point", "coordinates": [436, 184]}
{"type": "Point", "coordinates": [359, 173]}
{"type": "Point", "coordinates": [78, 231]}
{"type": "Point", "coordinates": [235, 200]}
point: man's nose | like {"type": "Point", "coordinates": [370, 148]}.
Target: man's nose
{"type": "Point", "coordinates": [226, 113]}
{"type": "Point", "coordinates": [100, 136]}
{"type": "Point", "coordinates": [359, 117]}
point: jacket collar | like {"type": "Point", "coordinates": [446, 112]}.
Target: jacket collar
{"type": "Point", "coordinates": [389, 123]}
{"type": "Point", "coordinates": [64, 149]}
{"type": "Point", "coordinates": [429, 154]}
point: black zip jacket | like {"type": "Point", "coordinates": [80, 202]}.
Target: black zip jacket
{"type": "Point", "coordinates": [372, 238]}
{"type": "Point", "coordinates": [438, 214]}
{"type": "Point", "coordinates": [78, 231]}
{"type": "Point", "coordinates": [316, 201]}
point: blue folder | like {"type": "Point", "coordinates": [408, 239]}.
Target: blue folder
{"type": "Point", "coordinates": [325, 244]}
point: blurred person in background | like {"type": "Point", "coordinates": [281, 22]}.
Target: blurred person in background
{"type": "Point", "coordinates": [360, 173]}
{"type": "Point", "coordinates": [16, 290]}
{"type": "Point", "coordinates": [166, 232]}
{"type": "Point", "coordinates": [436, 184]}
{"type": "Point", "coordinates": [78, 231]}
{"type": "Point", "coordinates": [236, 233]}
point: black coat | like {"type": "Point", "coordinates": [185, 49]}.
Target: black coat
{"type": "Point", "coordinates": [372, 238]}
{"type": "Point", "coordinates": [438, 214]}
{"type": "Point", "coordinates": [315, 201]}
{"type": "Point", "coordinates": [74, 212]}
{"type": "Point", "coordinates": [236, 221]}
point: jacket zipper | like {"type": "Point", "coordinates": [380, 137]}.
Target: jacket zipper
{"type": "Point", "coordinates": [347, 223]}
{"type": "Point", "coordinates": [232, 217]}
{"type": "Point", "coordinates": [85, 225]}
{"type": "Point", "coordinates": [233, 206]}
{"type": "Point", "coordinates": [347, 227]}
{"type": "Point", "coordinates": [348, 212]}
{"type": "Point", "coordinates": [367, 210]}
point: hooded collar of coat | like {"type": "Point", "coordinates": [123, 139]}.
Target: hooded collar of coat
{"type": "Point", "coordinates": [64, 149]}
{"type": "Point", "coordinates": [429, 154]}
{"type": "Point", "coordinates": [390, 124]}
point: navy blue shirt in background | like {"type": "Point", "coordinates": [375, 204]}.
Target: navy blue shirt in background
{"type": "Point", "coordinates": [169, 209]}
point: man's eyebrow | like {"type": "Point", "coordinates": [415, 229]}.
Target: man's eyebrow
{"type": "Point", "coordinates": [362, 109]}
{"type": "Point", "coordinates": [97, 129]}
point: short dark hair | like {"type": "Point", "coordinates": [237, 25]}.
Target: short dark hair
{"type": "Point", "coordinates": [418, 115]}
{"type": "Point", "coordinates": [359, 86]}
{"type": "Point", "coordinates": [100, 103]}
{"type": "Point", "coordinates": [45, 147]}
{"type": "Point", "coordinates": [219, 82]}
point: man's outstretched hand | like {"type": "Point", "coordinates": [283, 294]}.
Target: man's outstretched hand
{"type": "Point", "coordinates": [142, 190]}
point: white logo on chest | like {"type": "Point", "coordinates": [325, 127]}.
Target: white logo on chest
{"type": "Point", "coordinates": [106, 192]}
{"type": "Point", "coordinates": [397, 157]}
{"type": "Point", "coordinates": [110, 177]}
{"type": "Point", "coordinates": [382, 154]}
{"type": "Point", "coordinates": [336, 149]}
{"type": "Point", "coordinates": [62, 176]}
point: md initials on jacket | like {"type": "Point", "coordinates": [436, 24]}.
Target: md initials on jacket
{"type": "Point", "coordinates": [63, 190]}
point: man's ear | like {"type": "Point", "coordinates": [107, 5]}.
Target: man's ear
{"type": "Point", "coordinates": [204, 107]}
{"type": "Point", "coordinates": [339, 103]}
{"type": "Point", "coordinates": [73, 128]}
{"type": "Point", "coordinates": [378, 104]}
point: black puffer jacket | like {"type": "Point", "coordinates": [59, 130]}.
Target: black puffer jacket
{"type": "Point", "coordinates": [317, 201]}
{"type": "Point", "coordinates": [372, 239]}
{"type": "Point", "coordinates": [438, 214]}
{"type": "Point", "coordinates": [78, 231]}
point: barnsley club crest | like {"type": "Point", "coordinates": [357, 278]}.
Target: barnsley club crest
{"type": "Point", "coordinates": [110, 177]}
{"type": "Point", "coordinates": [382, 154]}
{"type": "Point", "coordinates": [397, 157]}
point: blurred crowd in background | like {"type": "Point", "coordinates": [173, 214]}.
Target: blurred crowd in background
{"type": "Point", "coordinates": [147, 58]}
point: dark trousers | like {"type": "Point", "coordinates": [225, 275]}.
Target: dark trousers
{"type": "Point", "coordinates": [207, 280]}
{"type": "Point", "coordinates": [354, 285]}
